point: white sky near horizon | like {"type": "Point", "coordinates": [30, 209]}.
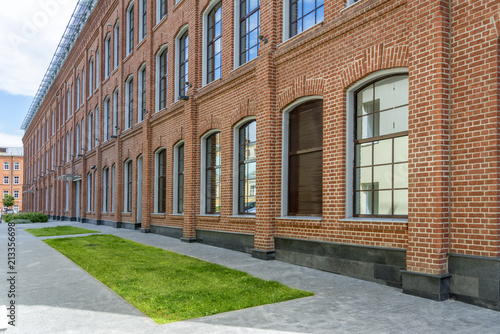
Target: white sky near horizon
{"type": "Point", "coordinates": [30, 31]}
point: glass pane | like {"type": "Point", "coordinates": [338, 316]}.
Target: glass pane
{"type": "Point", "coordinates": [364, 178]}
{"type": "Point", "coordinates": [394, 120]}
{"type": "Point", "coordinates": [401, 202]}
{"type": "Point", "coordinates": [309, 20]}
{"type": "Point", "coordinates": [401, 175]}
{"type": "Point", "coordinates": [364, 154]}
{"type": "Point", "coordinates": [217, 46]}
{"type": "Point", "coordinates": [309, 5]}
{"type": "Point", "coordinates": [363, 203]}
{"type": "Point", "coordinates": [382, 177]}
{"type": "Point", "coordinates": [218, 28]}
{"type": "Point", "coordinates": [382, 202]}
{"type": "Point", "coordinates": [365, 101]}
{"type": "Point", "coordinates": [385, 92]}
{"type": "Point", "coordinates": [320, 13]}
{"type": "Point", "coordinates": [382, 152]}
{"type": "Point", "coordinates": [401, 149]}
{"type": "Point", "coordinates": [364, 127]}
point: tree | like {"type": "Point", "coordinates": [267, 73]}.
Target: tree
{"type": "Point", "coordinates": [8, 201]}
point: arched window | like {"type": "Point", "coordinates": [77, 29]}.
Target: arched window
{"type": "Point", "coordinates": [179, 178]}
{"type": "Point", "coordinates": [130, 28]}
{"type": "Point", "coordinates": [107, 56]}
{"type": "Point", "coordinates": [105, 190]}
{"type": "Point", "coordinates": [247, 164]}
{"type": "Point", "coordinates": [381, 148]}
{"type": "Point", "coordinates": [212, 173]}
{"type": "Point", "coordinates": [161, 181]}
{"type": "Point", "coordinates": [183, 64]}
{"type": "Point", "coordinates": [90, 194]}
{"type": "Point", "coordinates": [162, 77]}
{"type": "Point", "coordinates": [214, 43]}
{"type": "Point", "coordinates": [128, 186]}
{"type": "Point", "coordinates": [129, 104]}
{"type": "Point", "coordinates": [305, 159]}
{"type": "Point", "coordinates": [248, 27]}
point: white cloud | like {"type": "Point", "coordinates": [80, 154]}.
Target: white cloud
{"type": "Point", "coordinates": [9, 140]}
{"type": "Point", "coordinates": [29, 33]}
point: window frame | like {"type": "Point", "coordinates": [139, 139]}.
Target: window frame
{"type": "Point", "coordinates": [177, 174]}
{"type": "Point", "coordinates": [236, 163]}
{"type": "Point", "coordinates": [130, 28]}
{"type": "Point", "coordinates": [116, 44]}
{"type": "Point", "coordinates": [157, 208]}
{"type": "Point", "coordinates": [143, 8]}
{"type": "Point", "coordinates": [129, 102]}
{"type": "Point", "coordinates": [91, 76]}
{"type": "Point", "coordinates": [6, 178]}
{"type": "Point", "coordinates": [6, 165]}
{"type": "Point", "coordinates": [204, 170]}
{"type": "Point", "coordinates": [17, 166]}
{"type": "Point", "coordinates": [127, 183]}
{"type": "Point", "coordinates": [16, 179]}
{"type": "Point", "coordinates": [287, 20]}
{"type": "Point", "coordinates": [162, 54]}
{"type": "Point", "coordinates": [141, 93]}
{"type": "Point", "coordinates": [89, 191]}
{"type": "Point", "coordinates": [107, 55]}
{"type": "Point", "coordinates": [237, 33]}
{"type": "Point", "coordinates": [350, 135]}
{"type": "Point", "coordinates": [159, 8]}
{"type": "Point", "coordinates": [206, 27]}
{"type": "Point", "coordinates": [106, 119]}
{"type": "Point", "coordinates": [183, 34]}
{"type": "Point", "coordinates": [105, 190]}
{"type": "Point", "coordinates": [115, 111]}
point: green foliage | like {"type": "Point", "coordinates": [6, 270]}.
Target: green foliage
{"type": "Point", "coordinates": [8, 201]}
{"type": "Point", "coordinates": [58, 230]}
{"type": "Point", "coordinates": [168, 286]}
{"type": "Point", "coordinates": [21, 221]}
{"type": "Point", "coordinates": [33, 217]}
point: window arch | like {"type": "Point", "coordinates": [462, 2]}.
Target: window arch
{"type": "Point", "coordinates": [182, 43]}
{"type": "Point", "coordinates": [130, 28]}
{"type": "Point", "coordinates": [212, 37]}
{"type": "Point", "coordinates": [127, 182]}
{"type": "Point", "coordinates": [141, 94]}
{"type": "Point", "coordinates": [378, 145]}
{"type": "Point", "coordinates": [160, 180]}
{"type": "Point", "coordinates": [179, 178]}
{"type": "Point", "coordinates": [105, 189]}
{"type": "Point", "coordinates": [161, 78]}
{"type": "Point", "coordinates": [129, 102]}
{"type": "Point", "coordinates": [211, 173]}
{"type": "Point", "coordinates": [245, 185]}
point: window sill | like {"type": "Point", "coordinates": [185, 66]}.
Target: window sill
{"type": "Point", "coordinates": [158, 214]}
{"type": "Point", "coordinates": [300, 218]}
{"type": "Point", "coordinates": [242, 216]}
{"type": "Point", "coordinates": [176, 215]}
{"type": "Point", "coordinates": [374, 220]}
{"type": "Point", "coordinates": [214, 215]}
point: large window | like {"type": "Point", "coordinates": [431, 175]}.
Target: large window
{"type": "Point", "coordinates": [115, 111]}
{"type": "Point", "coordinates": [77, 133]}
{"type": "Point", "coordinates": [130, 28]}
{"type": "Point", "coordinates": [113, 188]}
{"type": "Point", "coordinates": [162, 70]}
{"type": "Point", "coordinates": [141, 96]}
{"type": "Point", "coordinates": [305, 159]}
{"type": "Point", "coordinates": [212, 177]}
{"type": "Point", "coordinates": [106, 119]}
{"type": "Point", "coordinates": [247, 163]}
{"type": "Point", "coordinates": [128, 186]}
{"type": "Point", "coordinates": [142, 19]}
{"type": "Point", "coordinates": [97, 69]}
{"type": "Point", "coordinates": [96, 126]}
{"type": "Point", "coordinates": [107, 56]}
{"type": "Point", "coordinates": [90, 194]}
{"type": "Point", "coordinates": [129, 98]}
{"type": "Point", "coordinates": [91, 76]}
{"type": "Point", "coordinates": [90, 133]}
{"type": "Point", "coordinates": [214, 43]}
{"type": "Point", "coordinates": [77, 92]}
{"type": "Point", "coordinates": [303, 14]}
{"type": "Point", "coordinates": [183, 64]}
{"type": "Point", "coordinates": [179, 178]}
{"type": "Point", "coordinates": [249, 29]}
{"type": "Point", "coordinates": [381, 148]}
{"type": "Point", "coordinates": [161, 9]}
{"type": "Point", "coordinates": [161, 181]}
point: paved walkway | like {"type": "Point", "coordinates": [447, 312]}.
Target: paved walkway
{"type": "Point", "coordinates": [56, 296]}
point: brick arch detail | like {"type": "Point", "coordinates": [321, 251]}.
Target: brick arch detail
{"type": "Point", "coordinates": [247, 107]}
{"type": "Point", "coordinates": [495, 21]}
{"type": "Point", "coordinates": [302, 86]}
{"type": "Point", "coordinates": [375, 58]}
{"type": "Point", "coordinates": [208, 123]}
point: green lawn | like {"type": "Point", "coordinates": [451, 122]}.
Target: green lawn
{"type": "Point", "coordinates": [168, 286]}
{"type": "Point", "coordinates": [58, 230]}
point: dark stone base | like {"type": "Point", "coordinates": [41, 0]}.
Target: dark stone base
{"type": "Point", "coordinates": [90, 221]}
{"type": "Point", "coordinates": [376, 264]}
{"type": "Point", "coordinates": [168, 231]}
{"type": "Point", "coordinates": [188, 240]}
{"type": "Point", "coordinates": [263, 255]}
{"type": "Point", "coordinates": [145, 230]}
{"type": "Point", "coordinates": [72, 219]}
{"type": "Point", "coordinates": [110, 223]}
{"type": "Point", "coordinates": [130, 226]}
{"type": "Point", "coordinates": [435, 287]}
{"type": "Point", "coordinates": [475, 280]}
{"type": "Point", "coordinates": [65, 219]}
{"type": "Point", "coordinates": [240, 242]}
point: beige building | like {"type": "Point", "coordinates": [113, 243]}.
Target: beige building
{"type": "Point", "coordinates": [11, 182]}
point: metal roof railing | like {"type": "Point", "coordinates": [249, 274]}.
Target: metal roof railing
{"type": "Point", "coordinates": [76, 23]}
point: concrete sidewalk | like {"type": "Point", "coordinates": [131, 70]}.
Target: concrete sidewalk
{"type": "Point", "coordinates": [53, 295]}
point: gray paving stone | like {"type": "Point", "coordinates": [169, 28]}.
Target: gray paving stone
{"type": "Point", "coordinates": [56, 296]}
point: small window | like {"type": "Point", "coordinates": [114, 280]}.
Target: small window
{"type": "Point", "coordinates": [105, 190]}
{"type": "Point", "coordinates": [128, 186]}
{"type": "Point", "coordinates": [116, 47]}
{"type": "Point", "coordinates": [115, 112]}
{"type": "Point", "coordinates": [141, 101]}
{"type": "Point", "coordinates": [161, 181]}
{"type": "Point", "coordinates": [16, 166]}
{"type": "Point", "coordinates": [5, 193]}
{"type": "Point", "coordinates": [16, 179]}
{"type": "Point", "coordinates": [16, 208]}
{"type": "Point", "coordinates": [142, 19]}
{"type": "Point", "coordinates": [90, 194]}
{"type": "Point", "coordinates": [6, 165]}
{"type": "Point", "coordinates": [16, 193]}
{"type": "Point", "coordinates": [247, 167]}
{"type": "Point", "coordinates": [249, 29]}
{"type": "Point", "coordinates": [162, 9]}
{"type": "Point", "coordinates": [107, 55]}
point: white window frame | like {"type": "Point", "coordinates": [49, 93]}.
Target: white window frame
{"type": "Point", "coordinates": [142, 33]}
{"type": "Point", "coordinates": [91, 76]}
{"type": "Point", "coordinates": [130, 14]}
{"type": "Point", "coordinates": [6, 165]}
{"type": "Point", "coordinates": [77, 127]}
{"type": "Point", "coordinates": [82, 127]}
{"type": "Point", "coordinates": [97, 69]}
{"type": "Point", "coordinates": [158, 14]}
{"type": "Point", "coordinates": [127, 164]}
{"type": "Point", "coordinates": [177, 56]}
{"type": "Point", "coordinates": [203, 197]}
{"type": "Point", "coordinates": [236, 147]}
{"type": "Point", "coordinates": [96, 126]}
{"type": "Point", "coordinates": [67, 147]}
{"type": "Point", "coordinates": [285, 154]}
{"type": "Point", "coordinates": [286, 21]}
{"type": "Point", "coordinates": [5, 193]}
{"type": "Point", "coordinates": [204, 43]}
{"type": "Point", "coordinates": [115, 111]}
{"type": "Point", "coordinates": [66, 209]}
{"type": "Point", "coordinates": [350, 105]}
{"type": "Point", "coordinates": [237, 34]}
{"type": "Point", "coordinates": [16, 179]}
{"type": "Point", "coordinates": [175, 210]}
{"type": "Point", "coordinates": [106, 119]}
{"type": "Point", "coordinates": [164, 48]}
{"type": "Point", "coordinates": [107, 56]}
{"type": "Point", "coordinates": [17, 166]}
{"type": "Point", "coordinates": [140, 75]}
{"type": "Point", "coordinates": [113, 174]}
{"type": "Point", "coordinates": [128, 82]}
{"type": "Point", "coordinates": [90, 124]}
{"type": "Point", "coordinates": [105, 190]}
{"type": "Point", "coordinates": [156, 178]}
{"type": "Point", "coordinates": [90, 190]}
{"type": "Point", "coordinates": [16, 194]}
{"type": "Point", "coordinates": [116, 44]}
{"type": "Point", "coordinates": [78, 100]}
{"type": "Point", "coordinates": [351, 2]}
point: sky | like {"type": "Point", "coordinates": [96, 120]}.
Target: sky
{"type": "Point", "coordinates": [30, 31]}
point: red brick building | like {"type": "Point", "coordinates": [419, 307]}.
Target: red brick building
{"type": "Point", "coordinates": [358, 137]}
{"type": "Point", "coordinates": [11, 183]}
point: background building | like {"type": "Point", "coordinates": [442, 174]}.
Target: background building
{"type": "Point", "coordinates": [11, 164]}
{"type": "Point", "coordinates": [358, 137]}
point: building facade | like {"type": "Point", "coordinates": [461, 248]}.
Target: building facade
{"type": "Point", "coordinates": [11, 165]}
{"type": "Point", "coordinates": [354, 136]}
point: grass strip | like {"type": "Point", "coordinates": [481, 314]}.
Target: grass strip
{"type": "Point", "coordinates": [167, 286]}
{"type": "Point", "coordinates": [58, 230]}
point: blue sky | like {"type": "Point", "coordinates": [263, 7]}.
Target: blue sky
{"type": "Point", "coordinates": [30, 31]}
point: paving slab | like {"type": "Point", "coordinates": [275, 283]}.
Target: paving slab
{"type": "Point", "coordinates": [53, 295]}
